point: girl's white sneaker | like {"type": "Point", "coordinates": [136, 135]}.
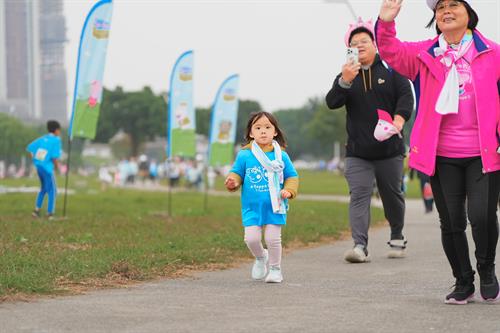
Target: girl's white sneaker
{"type": "Point", "coordinates": [274, 275]}
{"type": "Point", "coordinates": [259, 269]}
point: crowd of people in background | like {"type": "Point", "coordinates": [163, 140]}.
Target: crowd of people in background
{"type": "Point", "coordinates": [143, 171]}
{"type": "Point", "coordinates": [11, 171]}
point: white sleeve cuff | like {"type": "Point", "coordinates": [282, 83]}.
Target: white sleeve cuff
{"type": "Point", "coordinates": [343, 84]}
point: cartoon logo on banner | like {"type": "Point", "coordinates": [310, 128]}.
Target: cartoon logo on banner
{"type": "Point", "coordinates": [181, 115]}
{"type": "Point", "coordinates": [95, 93]}
{"type": "Point", "coordinates": [224, 135]}
{"type": "Point", "coordinates": [229, 94]}
{"type": "Point", "coordinates": [101, 29]}
{"type": "Point", "coordinates": [185, 73]}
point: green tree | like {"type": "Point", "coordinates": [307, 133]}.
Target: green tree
{"type": "Point", "coordinates": [326, 127]}
{"type": "Point", "coordinates": [295, 122]}
{"type": "Point", "coordinates": [140, 114]}
{"type": "Point", "coordinates": [107, 126]}
{"type": "Point", "coordinates": [77, 145]}
{"type": "Point", "coordinates": [203, 121]}
{"type": "Point", "coordinates": [14, 137]}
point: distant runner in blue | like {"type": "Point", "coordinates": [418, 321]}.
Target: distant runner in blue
{"type": "Point", "coordinates": [45, 152]}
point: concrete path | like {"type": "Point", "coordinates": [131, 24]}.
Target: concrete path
{"type": "Point", "coordinates": [321, 293]}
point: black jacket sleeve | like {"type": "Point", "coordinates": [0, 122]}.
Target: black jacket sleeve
{"type": "Point", "coordinates": [404, 95]}
{"type": "Point", "coordinates": [337, 96]}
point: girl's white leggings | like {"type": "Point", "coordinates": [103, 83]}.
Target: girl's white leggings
{"type": "Point", "coordinates": [272, 236]}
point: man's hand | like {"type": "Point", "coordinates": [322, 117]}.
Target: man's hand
{"type": "Point", "coordinates": [350, 71]}
{"type": "Point", "coordinates": [231, 184]}
{"type": "Point", "coordinates": [389, 10]}
{"type": "Point", "coordinates": [285, 194]}
{"type": "Point", "coordinates": [399, 122]}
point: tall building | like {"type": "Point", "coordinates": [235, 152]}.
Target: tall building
{"type": "Point", "coordinates": [52, 70]}
{"type": "Point", "coordinates": [3, 78]}
{"type": "Point", "coordinates": [32, 73]}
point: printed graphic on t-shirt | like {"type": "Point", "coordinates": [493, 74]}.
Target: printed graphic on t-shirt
{"type": "Point", "coordinates": [41, 154]}
{"type": "Point", "coordinates": [464, 80]}
{"type": "Point", "coordinates": [258, 178]}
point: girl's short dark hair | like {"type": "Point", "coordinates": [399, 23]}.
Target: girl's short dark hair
{"type": "Point", "coordinates": [280, 137]}
{"type": "Point", "coordinates": [53, 125]}
{"type": "Point", "coordinates": [473, 18]}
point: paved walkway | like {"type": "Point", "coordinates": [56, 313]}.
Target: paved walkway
{"type": "Point", "coordinates": [321, 293]}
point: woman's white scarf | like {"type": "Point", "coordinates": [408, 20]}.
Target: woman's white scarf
{"type": "Point", "coordinates": [274, 175]}
{"type": "Point", "coordinates": [448, 98]}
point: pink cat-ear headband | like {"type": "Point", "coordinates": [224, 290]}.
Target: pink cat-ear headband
{"type": "Point", "coordinates": [368, 25]}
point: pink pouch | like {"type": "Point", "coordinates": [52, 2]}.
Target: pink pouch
{"type": "Point", "coordinates": [385, 127]}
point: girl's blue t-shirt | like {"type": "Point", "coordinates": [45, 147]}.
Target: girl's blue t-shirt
{"type": "Point", "coordinates": [256, 207]}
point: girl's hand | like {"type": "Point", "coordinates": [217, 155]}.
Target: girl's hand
{"type": "Point", "coordinates": [285, 194]}
{"type": "Point", "coordinates": [389, 10]}
{"type": "Point", "coordinates": [231, 184]}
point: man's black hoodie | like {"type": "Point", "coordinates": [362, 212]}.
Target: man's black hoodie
{"type": "Point", "coordinates": [375, 88]}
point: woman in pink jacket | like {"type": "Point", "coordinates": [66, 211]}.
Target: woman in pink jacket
{"type": "Point", "coordinates": [455, 138]}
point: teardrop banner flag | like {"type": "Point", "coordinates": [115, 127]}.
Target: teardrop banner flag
{"type": "Point", "coordinates": [223, 124]}
{"type": "Point", "coordinates": [181, 115]}
{"type": "Point", "coordinates": [90, 71]}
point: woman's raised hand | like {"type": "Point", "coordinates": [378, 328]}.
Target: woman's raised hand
{"type": "Point", "coordinates": [389, 10]}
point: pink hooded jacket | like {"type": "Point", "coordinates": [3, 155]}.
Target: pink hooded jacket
{"type": "Point", "coordinates": [416, 61]}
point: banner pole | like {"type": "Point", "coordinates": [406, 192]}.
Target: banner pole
{"type": "Point", "coordinates": [169, 200]}
{"type": "Point", "coordinates": [205, 199]}
{"type": "Point", "coordinates": [67, 176]}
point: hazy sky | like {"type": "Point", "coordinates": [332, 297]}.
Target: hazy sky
{"type": "Point", "coordinates": [284, 50]}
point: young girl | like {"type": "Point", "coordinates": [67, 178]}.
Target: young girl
{"type": "Point", "coordinates": [269, 179]}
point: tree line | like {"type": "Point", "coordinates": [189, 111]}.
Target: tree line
{"type": "Point", "coordinates": [310, 129]}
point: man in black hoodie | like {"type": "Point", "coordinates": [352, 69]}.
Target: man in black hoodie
{"type": "Point", "coordinates": [365, 87]}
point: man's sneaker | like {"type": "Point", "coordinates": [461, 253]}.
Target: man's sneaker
{"type": "Point", "coordinates": [274, 275]}
{"type": "Point", "coordinates": [259, 269]}
{"type": "Point", "coordinates": [51, 217]}
{"type": "Point", "coordinates": [35, 213]}
{"type": "Point", "coordinates": [358, 254]}
{"type": "Point", "coordinates": [490, 291]}
{"type": "Point", "coordinates": [397, 248]}
{"type": "Point", "coordinates": [462, 294]}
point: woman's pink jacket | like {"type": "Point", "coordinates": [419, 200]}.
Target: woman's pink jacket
{"type": "Point", "coordinates": [416, 61]}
